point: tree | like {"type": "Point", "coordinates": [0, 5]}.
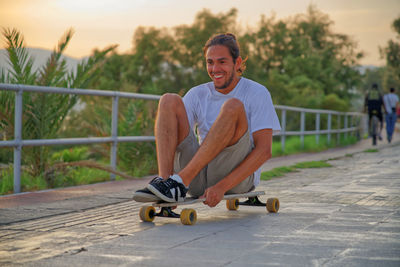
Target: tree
{"type": "Point", "coordinates": [305, 52]}
{"type": "Point", "coordinates": [43, 114]}
{"type": "Point", "coordinates": [392, 55]}
{"type": "Point", "coordinates": [190, 39]}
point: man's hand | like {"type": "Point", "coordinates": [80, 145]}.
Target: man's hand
{"type": "Point", "coordinates": [213, 196]}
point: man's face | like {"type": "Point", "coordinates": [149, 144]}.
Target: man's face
{"type": "Point", "coordinates": [221, 68]}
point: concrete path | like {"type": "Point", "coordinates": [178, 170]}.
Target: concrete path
{"type": "Point", "coordinates": [345, 215]}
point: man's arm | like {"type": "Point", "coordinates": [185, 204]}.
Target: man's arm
{"type": "Point", "coordinates": [260, 154]}
{"type": "Point", "coordinates": [384, 99]}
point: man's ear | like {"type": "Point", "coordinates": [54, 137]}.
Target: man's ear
{"type": "Point", "coordinates": [238, 63]}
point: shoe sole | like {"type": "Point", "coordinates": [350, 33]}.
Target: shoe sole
{"type": "Point", "coordinates": [144, 197]}
{"type": "Point", "coordinates": [162, 196]}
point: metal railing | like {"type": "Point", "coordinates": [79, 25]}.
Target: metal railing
{"type": "Point", "coordinates": [353, 122]}
{"type": "Point", "coordinates": [114, 139]}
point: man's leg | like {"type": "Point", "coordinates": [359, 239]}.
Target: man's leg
{"type": "Point", "coordinates": [394, 119]}
{"type": "Point", "coordinates": [228, 128]}
{"type": "Point", "coordinates": [387, 119]}
{"type": "Point", "coordinates": [391, 121]}
{"type": "Point", "coordinates": [369, 124]}
{"type": "Point", "coordinates": [171, 128]}
{"type": "Point", "coordinates": [228, 160]}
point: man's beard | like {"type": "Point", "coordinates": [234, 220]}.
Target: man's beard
{"type": "Point", "coordinates": [227, 83]}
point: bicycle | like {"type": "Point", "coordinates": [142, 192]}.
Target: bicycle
{"type": "Point", "coordinates": [374, 127]}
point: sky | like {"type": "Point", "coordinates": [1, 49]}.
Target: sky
{"type": "Point", "coordinates": [100, 23]}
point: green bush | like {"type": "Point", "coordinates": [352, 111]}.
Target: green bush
{"type": "Point", "coordinates": [72, 176]}
{"type": "Point", "coordinates": [70, 154]}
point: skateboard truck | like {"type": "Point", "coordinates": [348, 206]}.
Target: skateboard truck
{"type": "Point", "coordinates": [252, 201]}
{"type": "Point", "coordinates": [272, 204]}
{"type": "Point", "coordinates": [167, 212]}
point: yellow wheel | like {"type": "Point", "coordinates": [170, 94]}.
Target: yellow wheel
{"type": "Point", "coordinates": [188, 216]}
{"type": "Point", "coordinates": [147, 213]}
{"type": "Point", "coordinates": [273, 205]}
{"type": "Point", "coordinates": [232, 204]}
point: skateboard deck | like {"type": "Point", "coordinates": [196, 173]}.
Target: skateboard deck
{"type": "Point", "coordinates": [189, 216]}
{"type": "Point", "coordinates": [191, 200]}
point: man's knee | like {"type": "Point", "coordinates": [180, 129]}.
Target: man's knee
{"type": "Point", "coordinates": [170, 101]}
{"type": "Point", "coordinates": [172, 106]}
{"type": "Point", "coordinates": [233, 106]}
{"type": "Point", "coordinates": [234, 109]}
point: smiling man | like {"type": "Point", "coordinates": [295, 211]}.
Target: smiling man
{"type": "Point", "coordinates": [233, 118]}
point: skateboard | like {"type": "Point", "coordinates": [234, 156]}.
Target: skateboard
{"type": "Point", "coordinates": [189, 216]}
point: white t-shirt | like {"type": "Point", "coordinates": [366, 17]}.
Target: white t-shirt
{"type": "Point", "coordinates": [203, 104]}
{"type": "Point", "coordinates": [390, 101]}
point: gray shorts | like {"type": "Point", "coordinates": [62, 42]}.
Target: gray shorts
{"type": "Point", "coordinates": [223, 164]}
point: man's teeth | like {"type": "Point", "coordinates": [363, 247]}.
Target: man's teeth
{"type": "Point", "coordinates": [218, 76]}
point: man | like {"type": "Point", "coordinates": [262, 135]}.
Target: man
{"type": "Point", "coordinates": [391, 101]}
{"type": "Point", "coordinates": [234, 118]}
{"type": "Point", "coordinates": [374, 103]}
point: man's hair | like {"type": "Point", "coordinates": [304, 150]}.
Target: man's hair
{"type": "Point", "coordinates": [392, 90]}
{"type": "Point", "coordinates": [229, 41]}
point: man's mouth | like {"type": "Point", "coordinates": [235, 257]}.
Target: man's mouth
{"type": "Point", "coordinates": [218, 76]}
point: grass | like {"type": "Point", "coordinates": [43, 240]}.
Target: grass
{"type": "Point", "coordinates": [371, 150]}
{"type": "Point", "coordinates": [281, 171]}
{"type": "Point", "coordinates": [312, 164]}
{"type": "Point", "coordinates": [71, 176]}
{"type": "Point", "coordinates": [65, 175]}
{"type": "Point", "coordinates": [28, 182]}
{"type": "Point", "coordinates": [293, 144]}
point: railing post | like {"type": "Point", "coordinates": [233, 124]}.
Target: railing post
{"type": "Point", "coordinates": [317, 127]}
{"type": "Point", "coordinates": [329, 127]}
{"type": "Point", "coordinates": [18, 139]}
{"type": "Point", "coordinates": [302, 127]}
{"type": "Point", "coordinates": [345, 126]}
{"type": "Point", "coordinates": [352, 124]}
{"type": "Point", "coordinates": [338, 134]}
{"type": "Point", "coordinates": [114, 135]}
{"type": "Point", "coordinates": [283, 129]}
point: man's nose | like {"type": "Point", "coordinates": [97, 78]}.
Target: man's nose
{"type": "Point", "coordinates": [216, 68]}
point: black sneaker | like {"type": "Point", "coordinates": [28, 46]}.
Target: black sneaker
{"type": "Point", "coordinates": [145, 195]}
{"type": "Point", "coordinates": [168, 190]}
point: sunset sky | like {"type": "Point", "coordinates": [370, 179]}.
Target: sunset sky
{"type": "Point", "coordinates": [99, 23]}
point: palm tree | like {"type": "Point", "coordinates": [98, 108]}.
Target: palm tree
{"type": "Point", "coordinates": [43, 114]}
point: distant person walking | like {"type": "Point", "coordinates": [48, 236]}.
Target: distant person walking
{"type": "Point", "coordinates": [391, 101]}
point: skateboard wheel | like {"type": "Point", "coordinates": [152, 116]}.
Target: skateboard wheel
{"type": "Point", "coordinates": [147, 213]}
{"type": "Point", "coordinates": [273, 205]}
{"type": "Point", "coordinates": [232, 204]}
{"type": "Point", "coordinates": [188, 216]}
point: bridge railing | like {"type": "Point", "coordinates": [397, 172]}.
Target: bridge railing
{"type": "Point", "coordinates": [350, 125]}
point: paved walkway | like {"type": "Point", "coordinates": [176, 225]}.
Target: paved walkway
{"type": "Point", "coordinates": [346, 215]}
